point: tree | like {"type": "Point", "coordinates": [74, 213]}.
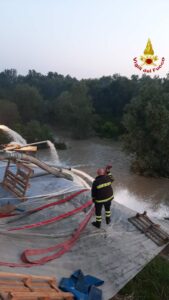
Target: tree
{"type": "Point", "coordinates": [108, 129]}
{"type": "Point", "coordinates": [74, 111]}
{"type": "Point", "coordinates": [8, 78]}
{"type": "Point", "coordinates": [147, 129]}
{"type": "Point", "coordinates": [9, 114]}
{"type": "Point", "coordinates": [29, 102]}
{"type": "Point", "coordinates": [33, 131]}
{"type": "Point", "coordinates": [109, 98]}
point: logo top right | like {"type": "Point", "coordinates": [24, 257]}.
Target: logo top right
{"type": "Point", "coordinates": [149, 62]}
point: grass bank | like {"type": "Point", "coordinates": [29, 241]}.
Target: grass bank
{"type": "Point", "coordinates": [152, 283]}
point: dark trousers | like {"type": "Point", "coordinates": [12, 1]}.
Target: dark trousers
{"type": "Point", "coordinates": [98, 211]}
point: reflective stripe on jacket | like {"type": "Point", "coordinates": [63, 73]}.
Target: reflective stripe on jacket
{"type": "Point", "coordinates": [102, 190]}
{"type": "Point", "coordinates": [104, 200]}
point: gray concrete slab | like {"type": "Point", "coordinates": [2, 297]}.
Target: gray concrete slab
{"type": "Point", "coordinates": [115, 253]}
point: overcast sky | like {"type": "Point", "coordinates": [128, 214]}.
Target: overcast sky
{"type": "Point", "coordinates": [82, 38]}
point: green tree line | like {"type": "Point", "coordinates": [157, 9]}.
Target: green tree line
{"type": "Point", "coordinates": [83, 107]}
{"type": "Point", "coordinates": [136, 109]}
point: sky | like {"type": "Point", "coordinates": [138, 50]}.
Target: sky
{"type": "Point", "coordinates": [82, 38]}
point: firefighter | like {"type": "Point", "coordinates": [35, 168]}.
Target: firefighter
{"type": "Point", "coordinates": [102, 194]}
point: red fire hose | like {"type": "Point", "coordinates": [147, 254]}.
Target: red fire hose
{"type": "Point", "coordinates": [58, 249]}
{"type": "Point", "coordinates": [61, 248]}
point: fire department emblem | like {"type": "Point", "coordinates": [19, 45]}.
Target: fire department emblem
{"type": "Point", "coordinates": [148, 60]}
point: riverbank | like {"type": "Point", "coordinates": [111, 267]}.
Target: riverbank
{"type": "Point", "coordinates": [152, 283]}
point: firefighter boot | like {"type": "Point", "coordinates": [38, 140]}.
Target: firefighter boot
{"type": "Point", "coordinates": [96, 224]}
{"type": "Point", "coordinates": [108, 220]}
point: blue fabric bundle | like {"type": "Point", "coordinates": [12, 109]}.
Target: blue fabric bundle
{"type": "Point", "coordinates": [83, 287]}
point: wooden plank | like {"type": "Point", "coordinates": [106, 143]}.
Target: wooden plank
{"type": "Point", "coordinates": [11, 147]}
{"type": "Point", "coordinates": [27, 149]}
{"type": "Point", "coordinates": [150, 229]}
{"type": "Point", "coordinates": [24, 286]}
{"type": "Point", "coordinates": [18, 275]}
{"type": "Point", "coordinates": [10, 173]}
{"type": "Point", "coordinates": [4, 296]}
{"type": "Point", "coordinates": [38, 295]}
{"type": "Point", "coordinates": [19, 188]}
{"type": "Point", "coordinates": [13, 187]}
{"type": "Point", "coordinates": [9, 184]}
{"type": "Point", "coordinates": [155, 226]}
{"type": "Point", "coordinates": [8, 179]}
{"type": "Point", "coordinates": [144, 229]}
{"type": "Point", "coordinates": [22, 175]}
{"type": "Point", "coordinates": [19, 182]}
{"type": "Point", "coordinates": [32, 286]}
{"type": "Point", "coordinates": [21, 167]}
{"type": "Point", "coordinates": [10, 281]}
{"type": "Point", "coordinates": [41, 283]}
{"type": "Point", "coordinates": [9, 288]}
{"type": "Point", "coordinates": [21, 179]}
{"type": "Point", "coordinates": [17, 179]}
{"type": "Point", "coordinates": [14, 190]}
{"type": "Point", "coordinates": [20, 196]}
{"type": "Point", "coordinates": [18, 148]}
{"type": "Point", "coordinates": [52, 284]}
{"type": "Point", "coordinates": [26, 290]}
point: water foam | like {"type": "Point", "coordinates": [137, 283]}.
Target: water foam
{"type": "Point", "coordinates": [53, 152]}
{"type": "Point", "coordinates": [14, 136]}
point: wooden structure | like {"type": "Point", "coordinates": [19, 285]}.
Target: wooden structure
{"type": "Point", "coordinates": [17, 182]}
{"type": "Point", "coordinates": [150, 229]}
{"type": "Point", "coordinates": [24, 149]}
{"type": "Point", "coordinates": [30, 287]}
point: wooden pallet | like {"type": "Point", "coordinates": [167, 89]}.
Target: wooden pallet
{"type": "Point", "coordinates": [150, 229]}
{"type": "Point", "coordinates": [18, 148]}
{"type": "Point", "coordinates": [18, 182]}
{"type": "Point", "coordinates": [30, 287]}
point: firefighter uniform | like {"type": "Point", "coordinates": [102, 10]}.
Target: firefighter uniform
{"type": "Point", "coordinates": [102, 195]}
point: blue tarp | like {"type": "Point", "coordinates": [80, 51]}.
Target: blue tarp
{"type": "Point", "coordinates": [83, 287]}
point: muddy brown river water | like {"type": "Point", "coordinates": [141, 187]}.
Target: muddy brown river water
{"type": "Point", "coordinates": [134, 191]}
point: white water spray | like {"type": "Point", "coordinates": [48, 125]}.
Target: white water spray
{"type": "Point", "coordinates": [18, 139]}
{"type": "Point", "coordinates": [53, 152]}
{"type": "Point", "coordinates": [13, 135]}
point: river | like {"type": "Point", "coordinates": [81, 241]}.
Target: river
{"type": "Point", "coordinates": [134, 191]}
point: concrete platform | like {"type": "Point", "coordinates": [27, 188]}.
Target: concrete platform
{"type": "Point", "coordinates": [114, 253]}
